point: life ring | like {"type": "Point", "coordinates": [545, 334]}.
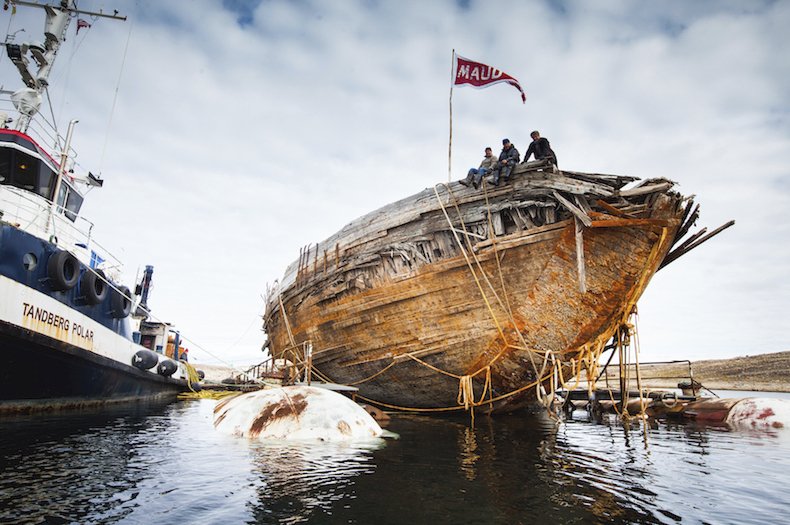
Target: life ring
{"type": "Point", "coordinates": [92, 286]}
{"type": "Point", "coordinates": [121, 304]}
{"type": "Point", "coordinates": [63, 271]}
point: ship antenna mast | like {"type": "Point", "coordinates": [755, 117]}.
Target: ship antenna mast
{"type": "Point", "coordinates": [28, 99]}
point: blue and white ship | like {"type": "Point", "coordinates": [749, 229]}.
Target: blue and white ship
{"type": "Point", "coordinates": [71, 334]}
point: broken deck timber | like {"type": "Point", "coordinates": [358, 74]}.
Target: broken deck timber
{"type": "Point", "coordinates": [455, 294]}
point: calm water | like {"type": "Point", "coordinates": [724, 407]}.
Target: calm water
{"type": "Point", "coordinates": [165, 464]}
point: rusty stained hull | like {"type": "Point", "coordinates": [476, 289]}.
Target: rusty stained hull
{"type": "Point", "coordinates": [438, 315]}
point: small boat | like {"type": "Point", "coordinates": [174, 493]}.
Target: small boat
{"type": "Point", "coordinates": [70, 331]}
{"type": "Point", "coordinates": [455, 298]}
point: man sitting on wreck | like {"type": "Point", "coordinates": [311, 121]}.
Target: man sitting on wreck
{"type": "Point", "coordinates": [508, 159]}
{"type": "Point", "coordinates": [541, 148]}
{"type": "Point", "coordinates": [475, 175]}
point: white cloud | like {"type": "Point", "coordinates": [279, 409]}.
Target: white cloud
{"type": "Point", "coordinates": [232, 146]}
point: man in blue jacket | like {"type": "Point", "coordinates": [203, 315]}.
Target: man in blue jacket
{"type": "Point", "coordinates": [508, 159]}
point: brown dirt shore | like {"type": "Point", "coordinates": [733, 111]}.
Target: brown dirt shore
{"type": "Point", "coordinates": [762, 373]}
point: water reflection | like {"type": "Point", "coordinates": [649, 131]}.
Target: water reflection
{"type": "Point", "coordinates": [59, 468]}
{"type": "Point", "coordinates": [301, 480]}
{"type": "Point", "coordinates": [467, 453]}
{"type": "Point", "coordinates": [166, 464]}
{"type": "Point", "coordinates": [505, 470]}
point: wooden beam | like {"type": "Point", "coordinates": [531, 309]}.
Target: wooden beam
{"type": "Point", "coordinates": [573, 209]}
{"type": "Point", "coordinates": [519, 235]}
{"type": "Point", "coordinates": [689, 218]}
{"type": "Point", "coordinates": [683, 250]}
{"type": "Point", "coordinates": [582, 203]}
{"type": "Point", "coordinates": [634, 223]}
{"type": "Point", "coordinates": [580, 256]}
{"type": "Point", "coordinates": [598, 216]}
{"type": "Point", "coordinates": [644, 190]}
{"type": "Point", "coordinates": [690, 240]}
{"type": "Point", "coordinates": [611, 209]}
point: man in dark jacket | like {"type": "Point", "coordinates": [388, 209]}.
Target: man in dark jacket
{"type": "Point", "coordinates": [508, 159]}
{"type": "Point", "coordinates": [541, 148]}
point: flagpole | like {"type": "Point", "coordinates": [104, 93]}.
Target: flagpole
{"type": "Point", "coordinates": [450, 144]}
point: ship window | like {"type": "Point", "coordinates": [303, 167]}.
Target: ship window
{"type": "Point", "coordinates": [73, 204]}
{"type": "Point", "coordinates": [26, 172]}
{"type": "Point", "coordinates": [5, 165]}
{"type": "Point", "coordinates": [46, 181]}
{"type": "Point", "coordinates": [62, 196]}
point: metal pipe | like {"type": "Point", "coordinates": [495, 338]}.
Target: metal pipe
{"type": "Point", "coordinates": [61, 172]}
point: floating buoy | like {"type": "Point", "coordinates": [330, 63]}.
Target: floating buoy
{"type": "Point", "coordinates": [749, 412]}
{"type": "Point", "coordinates": [760, 413]}
{"type": "Point", "coordinates": [295, 412]}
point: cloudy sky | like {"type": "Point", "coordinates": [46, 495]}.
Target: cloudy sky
{"type": "Point", "coordinates": [244, 130]}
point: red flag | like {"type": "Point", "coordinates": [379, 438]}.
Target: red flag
{"type": "Point", "coordinates": [480, 75]}
{"type": "Point", "coordinates": [80, 24]}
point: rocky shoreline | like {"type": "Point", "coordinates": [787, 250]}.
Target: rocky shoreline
{"type": "Point", "coordinates": [761, 373]}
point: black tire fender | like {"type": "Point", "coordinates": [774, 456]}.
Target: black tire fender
{"type": "Point", "coordinates": [63, 270]}
{"type": "Point", "coordinates": [92, 286]}
{"type": "Point", "coordinates": [121, 303]}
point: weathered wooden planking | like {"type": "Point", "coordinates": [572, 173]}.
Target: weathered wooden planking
{"type": "Point", "coordinates": [376, 325]}
{"type": "Point", "coordinates": [394, 283]}
{"type": "Point", "coordinates": [429, 226]}
{"type": "Point", "coordinates": [378, 223]}
{"type": "Point", "coordinates": [618, 223]}
{"type": "Point", "coordinates": [369, 305]}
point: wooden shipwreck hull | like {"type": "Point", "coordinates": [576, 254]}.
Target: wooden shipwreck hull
{"type": "Point", "coordinates": [456, 297]}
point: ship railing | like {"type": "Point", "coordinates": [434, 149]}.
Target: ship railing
{"type": "Point", "coordinates": [42, 131]}
{"type": "Point", "coordinates": [294, 365]}
{"type": "Point", "coordinates": [33, 214]}
{"type": "Point", "coordinates": [301, 358]}
{"type": "Point", "coordinates": [658, 373]}
{"type": "Point", "coordinates": [268, 369]}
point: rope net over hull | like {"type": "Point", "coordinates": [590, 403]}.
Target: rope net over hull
{"type": "Point", "coordinates": [455, 298]}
